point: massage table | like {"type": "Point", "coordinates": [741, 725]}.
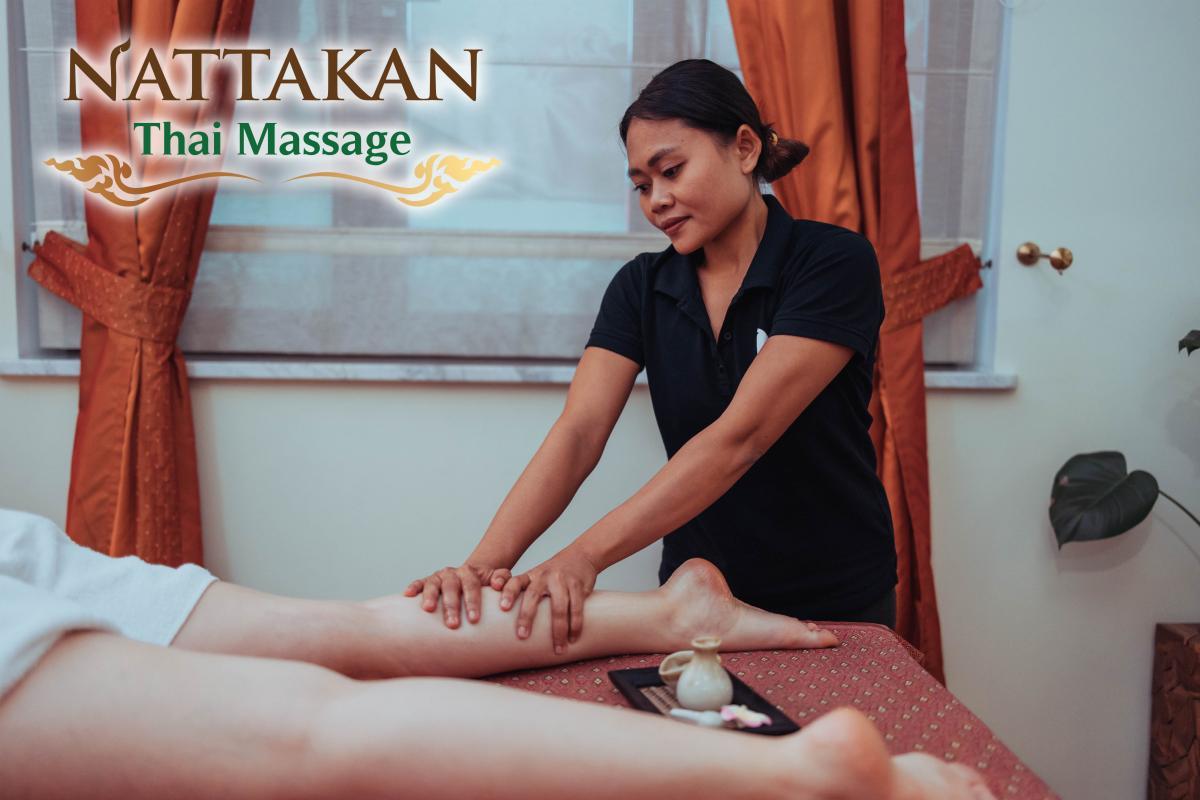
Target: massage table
{"type": "Point", "coordinates": [872, 670]}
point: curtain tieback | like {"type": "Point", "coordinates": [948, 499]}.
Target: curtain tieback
{"type": "Point", "coordinates": [924, 287]}
{"type": "Point", "coordinates": [123, 304]}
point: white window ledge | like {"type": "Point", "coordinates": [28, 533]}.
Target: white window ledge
{"type": "Point", "coordinates": [423, 372]}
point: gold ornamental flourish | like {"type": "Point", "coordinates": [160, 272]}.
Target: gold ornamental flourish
{"type": "Point", "coordinates": [443, 173]}
{"type": "Point", "coordinates": [438, 176]}
{"type": "Point", "coordinates": [106, 176]}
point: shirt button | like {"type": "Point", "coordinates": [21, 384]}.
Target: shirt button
{"type": "Point", "coordinates": [727, 335]}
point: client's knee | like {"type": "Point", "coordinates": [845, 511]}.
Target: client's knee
{"type": "Point", "coordinates": [343, 751]}
{"type": "Point", "coordinates": [290, 751]}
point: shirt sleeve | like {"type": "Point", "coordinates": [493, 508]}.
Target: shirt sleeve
{"type": "Point", "coordinates": [618, 324]}
{"type": "Point", "coordinates": [835, 296]}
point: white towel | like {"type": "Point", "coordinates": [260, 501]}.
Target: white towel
{"type": "Point", "coordinates": [49, 585]}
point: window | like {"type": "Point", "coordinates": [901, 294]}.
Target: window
{"type": "Point", "coordinates": [953, 55]}
{"type": "Point", "coordinates": [513, 267]}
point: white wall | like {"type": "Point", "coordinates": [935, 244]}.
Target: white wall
{"type": "Point", "coordinates": [352, 489]}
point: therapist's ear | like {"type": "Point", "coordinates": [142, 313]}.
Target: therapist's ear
{"type": "Point", "coordinates": [748, 147]}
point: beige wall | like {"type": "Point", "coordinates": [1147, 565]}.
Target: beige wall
{"type": "Point", "coordinates": [346, 490]}
{"type": "Point", "coordinates": [353, 489]}
{"type": "Point", "coordinates": [1054, 649]}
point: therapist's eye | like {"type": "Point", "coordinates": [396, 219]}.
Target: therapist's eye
{"type": "Point", "coordinates": [669, 172]}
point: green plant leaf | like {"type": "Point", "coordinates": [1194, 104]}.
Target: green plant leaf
{"type": "Point", "coordinates": [1095, 498]}
{"type": "Point", "coordinates": [1191, 342]}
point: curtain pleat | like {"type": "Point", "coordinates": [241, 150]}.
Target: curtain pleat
{"type": "Point", "coordinates": [134, 486]}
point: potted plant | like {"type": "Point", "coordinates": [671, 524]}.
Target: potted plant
{"type": "Point", "coordinates": [1096, 497]}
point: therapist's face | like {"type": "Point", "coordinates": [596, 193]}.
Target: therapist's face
{"type": "Point", "coordinates": [695, 177]}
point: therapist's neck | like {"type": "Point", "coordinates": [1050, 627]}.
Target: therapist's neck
{"type": "Point", "coordinates": [730, 252]}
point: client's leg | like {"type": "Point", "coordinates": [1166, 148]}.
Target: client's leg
{"type": "Point", "coordinates": [392, 636]}
{"type": "Point", "coordinates": [102, 716]}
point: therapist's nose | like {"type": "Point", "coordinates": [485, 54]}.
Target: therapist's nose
{"type": "Point", "coordinates": [660, 199]}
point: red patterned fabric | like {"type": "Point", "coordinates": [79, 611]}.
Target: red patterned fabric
{"type": "Point", "coordinates": [873, 670]}
{"type": "Point", "coordinates": [121, 303]}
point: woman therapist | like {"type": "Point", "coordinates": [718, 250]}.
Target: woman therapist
{"type": "Point", "coordinates": [757, 332]}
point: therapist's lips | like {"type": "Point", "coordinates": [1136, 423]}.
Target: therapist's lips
{"type": "Point", "coordinates": [674, 226]}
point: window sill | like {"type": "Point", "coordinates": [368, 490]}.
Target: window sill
{"type": "Point", "coordinates": [971, 380]}
{"type": "Point", "coordinates": [200, 368]}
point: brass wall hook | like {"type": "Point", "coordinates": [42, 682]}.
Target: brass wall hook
{"type": "Point", "coordinates": [1060, 257]}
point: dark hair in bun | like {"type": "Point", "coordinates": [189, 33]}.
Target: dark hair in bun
{"type": "Point", "coordinates": [709, 97]}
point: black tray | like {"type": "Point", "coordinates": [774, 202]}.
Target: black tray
{"type": "Point", "coordinates": [643, 687]}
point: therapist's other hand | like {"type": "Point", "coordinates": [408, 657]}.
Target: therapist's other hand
{"type": "Point", "coordinates": [568, 578]}
{"type": "Point", "coordinates": [458, 586]}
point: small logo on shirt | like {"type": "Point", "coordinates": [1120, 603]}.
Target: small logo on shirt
{"type": "Point", "coordinates": [760, 340]}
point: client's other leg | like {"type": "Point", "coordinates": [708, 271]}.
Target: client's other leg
{"type": "Point", "coordinates": [392, 636]}
{"type": "Point", "coordinates": [102, 716]}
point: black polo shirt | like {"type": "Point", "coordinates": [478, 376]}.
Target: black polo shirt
{"type": "Point", "coordinates": [807, 530]}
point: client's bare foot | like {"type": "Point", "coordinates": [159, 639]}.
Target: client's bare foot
{"type": "Point", "coordinates": [841, 755]}
{"type": "Point", "coordinates": [701, 605]}
{"type": "Point", "coordinates": [919, 775]}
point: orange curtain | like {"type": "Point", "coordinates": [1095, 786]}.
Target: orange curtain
{"type": "Point", "coordinates": [134, 488]}
{"type": "Point", "coordinates": [832, 74]}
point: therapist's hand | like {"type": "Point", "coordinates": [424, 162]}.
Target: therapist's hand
{"type": "Point", "coordinates": [568, 578]}
{"type": "Point", "coordinates": [456, 585]}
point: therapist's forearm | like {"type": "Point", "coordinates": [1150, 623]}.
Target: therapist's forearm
{"type": "Point", "coordinates": [554, 474]}
{"type": "Point", "coordinates": [692, 480]}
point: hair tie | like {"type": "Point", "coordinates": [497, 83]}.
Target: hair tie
{"type": "Point", "coordinates": [774, 138]}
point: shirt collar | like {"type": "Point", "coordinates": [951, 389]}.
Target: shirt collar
{"type": "Point", "coordinates": [677, 275]}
